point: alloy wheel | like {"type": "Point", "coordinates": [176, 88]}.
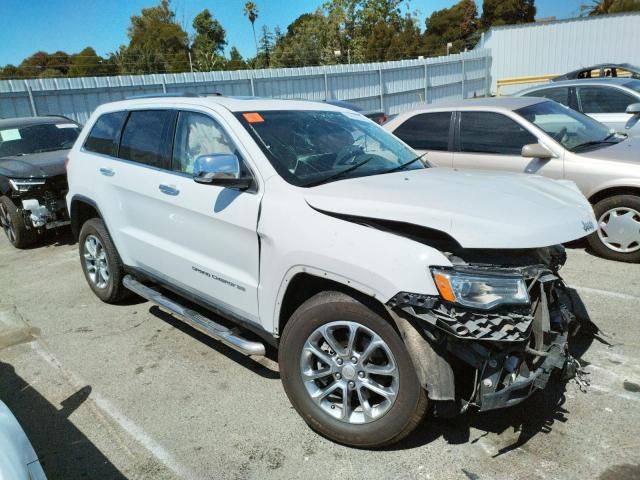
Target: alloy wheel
{"type": "Point", "coordinates": [95, 258]}
{"type": "Point", "coordinates": [349, 372]}
{"type": "Point", "coordinates": [7, 224]}
{"type": "Point", "coordinates": [619, 229]}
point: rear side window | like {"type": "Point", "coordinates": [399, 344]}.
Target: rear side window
{"type": "Point", "coordinates": [103, 137]}
{"type": "Point", "coordinates": [603, 100]}
{"type": "Point", "coordinates": [560, 94]}
{"type": "Point", "coordinates": [147, 137]}
{"type": "Point", "coordinates": [489, 132]}
{"type": "Point", "coordinates": [427, 131]}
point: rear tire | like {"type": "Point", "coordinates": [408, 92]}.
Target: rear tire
{"type": "Point", "coordinates": [365, 419]}
{"type": "Point", "coordinates": [613, 215]}
{"type": "Point", "coordinates": [101, 263]}
{"type": "Point", "coordinates": [12, 223]}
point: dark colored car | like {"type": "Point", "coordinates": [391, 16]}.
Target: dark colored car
{"type": "Point", "coordinates": [603, 70]}
{"type": "Point", "coordinates": [377, 116]}
{"type": "Point", "coordinates": [33, 180]}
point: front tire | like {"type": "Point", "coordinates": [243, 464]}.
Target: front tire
{"type": "Point", "coordinates": [12, 222]}
{"type": "Point", "coordinates": [348, 374]}
{"type": "Point", "coordinates": [618, 234]}
{"type": "Point", "coordinates": [100, 261]}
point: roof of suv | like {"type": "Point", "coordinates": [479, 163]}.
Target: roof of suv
{"type": "Point", "coordinates": [583, 81]}
{"type": "Point", "coordinates": [234, 104]}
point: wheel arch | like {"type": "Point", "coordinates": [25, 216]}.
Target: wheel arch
{"type": "Point", "coordinates": [614, 190]}
{"type": "Point", "coordinates": [81, 209]}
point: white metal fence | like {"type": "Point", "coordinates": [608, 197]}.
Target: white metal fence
{"type": "Point", "coordinates": [390, 86]}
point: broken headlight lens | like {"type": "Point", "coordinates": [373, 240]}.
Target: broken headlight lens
{"type": "Point", "coordinates": [479, 290]}
{"type": "Point", "coordinates": [25, 184]}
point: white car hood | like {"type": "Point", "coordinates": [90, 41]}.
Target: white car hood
{"type": "Point", "coordinates": [479, 209]}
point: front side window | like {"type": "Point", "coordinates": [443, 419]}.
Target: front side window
{"type": "Point", "coordinates": [147, 137]}
{"type": "Point", "coordinates": [603, 99]}
{"type": "Point", "coordinates": [196, 135]}
{"type": "Point", "coordinates": [572, 129]}
{"type": "Point", "coordinates": [104, 134]}
{"type": "Point", "coordinates": [489, 132]}
{"type": "Point", "coordinates": [426, 131]}
{"type": "Point", "coordinates": [308, 147]}
{"type": "Point", "coordinates": [559, 94]}
{"type": "Point", "coordinates": [44, 137]}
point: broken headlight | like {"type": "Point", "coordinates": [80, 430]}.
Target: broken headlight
{"type": "Point", "coordinates": [480, 290]}
{"type": "Point", "coordinates": [25, 184]}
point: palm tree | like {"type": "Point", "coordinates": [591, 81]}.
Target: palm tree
{"type": "Point", "coordinates": [251, 12]}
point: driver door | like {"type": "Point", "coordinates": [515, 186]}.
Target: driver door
{"type": "Point", "coordinates": [494, 141]}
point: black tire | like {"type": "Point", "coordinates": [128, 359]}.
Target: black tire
{"type": "Point", "coordinates": [600, 208]}
{"type": "Point", "coordinates": [112, 291]}
{"type": "Point", "coordinates": [13, 225]}
{"type": "Point", "coordinates": [410, 404]}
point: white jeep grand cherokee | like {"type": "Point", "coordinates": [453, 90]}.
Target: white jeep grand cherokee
{"type": "Point", "coordinates": [384, 283]}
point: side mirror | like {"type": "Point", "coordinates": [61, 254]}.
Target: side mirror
{"type": "Point", "coordinates": [536, 150]}
{"type": "Point", "coordinates": [220, 169]}
{"type": "Point", "coordinates": [634, 109]}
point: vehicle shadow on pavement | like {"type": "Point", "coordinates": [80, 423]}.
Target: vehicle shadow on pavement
{"type": "Point", "coordinates": [64, 451]}
{"type": "Point", "coordinates": [247, 362]}
{"type": "Point", "coordinates": [54, 238]}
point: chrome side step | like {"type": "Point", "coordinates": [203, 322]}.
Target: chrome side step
{"type": "Point", "coordinates": [196, 320]}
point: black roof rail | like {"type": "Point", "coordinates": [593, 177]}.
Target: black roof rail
{"type": "Point", "coordinates": [176, 94]}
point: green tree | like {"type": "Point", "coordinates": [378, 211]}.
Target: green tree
{"type": "Point", "coordinates": [208, 42]}
{"type": "Point", "coordinates": [457, 25]}
{"type": "Point", "coordinates": [305, 43]}
{"type": "Point", "coordinates": [263, 59]}
{"type": "Point", "coordinates": [89, 63]}
{"type": "Point", "coordinates": [157, 43]}
{"type": "Point", "coordinates": [236, 62]}
{"type": "Point", "coordinates": [8, 71]}
{"type": "Point", "coordinates": [603, 7]}
{"type": "Point", "coordinates": [251, 12]}
{"type": "Point", "coordinates": [507, 12]}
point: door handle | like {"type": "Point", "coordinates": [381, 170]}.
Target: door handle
{"type": "Point", "coordinates": [107, 172]}
{"type": "Point", "coordinates": [169, 190]}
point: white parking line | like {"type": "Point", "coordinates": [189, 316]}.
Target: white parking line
{"type": "Point", "coordinates": [607, 293]}
{"type": "Point", "coordinates": [144, 439]}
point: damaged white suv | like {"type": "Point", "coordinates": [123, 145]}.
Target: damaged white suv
{"type": "Point", "coordinates": [384, 283]}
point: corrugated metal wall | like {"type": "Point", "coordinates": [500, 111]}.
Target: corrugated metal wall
{"type": "Point", "coordinates": [561, 46]}
{"type": "Point", "coordinates": [392, 86]}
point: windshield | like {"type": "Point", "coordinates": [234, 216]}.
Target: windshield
{"type": "Point", "coordinates": [45, 137]}
{"type": "Point", "coordinates": [568, 127]}
{"type": "Point", "coordinates": [311, 147]}
{"type": "Point", "coordinates": [634, 85]}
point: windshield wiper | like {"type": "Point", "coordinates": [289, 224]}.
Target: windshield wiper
{"type": "Point", "coordinates": [339, 174]}
{"type": "Point", "coordinates": [605, 140]}
{"type": "Point", "coordinates": [402, 166]}
{"type": "Point", "coordinates": [50, 149]}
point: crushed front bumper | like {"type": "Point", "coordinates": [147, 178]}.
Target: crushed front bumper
{"type": "Point", "coordinates": [512, 352]}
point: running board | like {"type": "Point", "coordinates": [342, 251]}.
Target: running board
{"type": "Point", "coordinates": [196, 320]}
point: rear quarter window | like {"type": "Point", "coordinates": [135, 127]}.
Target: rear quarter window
{"type": "Point", "coordinates": [104, 134]}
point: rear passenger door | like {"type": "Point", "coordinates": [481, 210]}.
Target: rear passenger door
{"type": "Point", "coordinates": [431, 133]}
{"type": "Point", "coordinates": [494, 141]}
{"type": "Point", "coordinates": [606, 104]}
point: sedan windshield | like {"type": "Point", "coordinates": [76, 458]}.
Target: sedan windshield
{"type": "Point", "coordinates": [44, 137]}
{"type": "Point", "coordinates": [309, 147]}
{"type": "Point", "coordinates": [570, 128]}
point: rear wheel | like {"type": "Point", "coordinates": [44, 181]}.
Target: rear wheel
{"type": "Point", "coordinates": [618, 234]}
{"type": "Point", "coordinates": [100, 261]}
{"type": "Point", "coordinates": [348, 374]}
{"type": "Point", "coordinates": [13, 225]}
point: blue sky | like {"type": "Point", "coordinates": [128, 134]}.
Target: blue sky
{"type": "Point", "coordinates": [27, 26]}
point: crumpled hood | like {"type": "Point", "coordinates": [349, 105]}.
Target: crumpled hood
{"type": "Point", "coordinates": [35, 165]}
{"type": "Point", "coordinates": [627, 151]}
{"type": "Point", "coordinates": [479, 209]}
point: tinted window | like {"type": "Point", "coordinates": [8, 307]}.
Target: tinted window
{"type": "Point", "coordinates": [44, 137]}
{"type": "Point", "coordinates": [487, 132]}
{"type": "Point", "coordinates": [427, 131]}
{"type": "Point", "coordinates": [147, 137]}
{"type": "Point", "coordinates": [560, 94]}
{"type": "Point", "coordinates": [104, 134]}
{"type": "Point", "coordinates": [603, 100]}
{"type": "Point", "coordinates": [196, 135]}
